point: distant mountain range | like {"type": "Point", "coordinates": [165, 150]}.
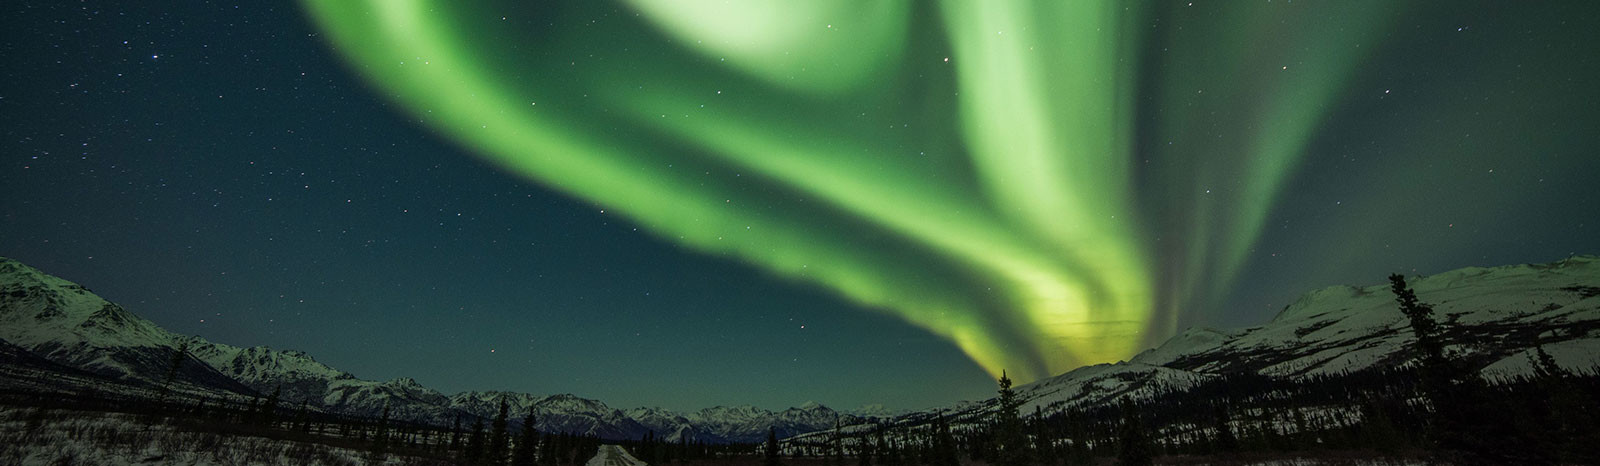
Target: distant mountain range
{"type": "Point", "coordinates": [57, 336]}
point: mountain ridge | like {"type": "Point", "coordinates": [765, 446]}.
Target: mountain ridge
{"type": "Point", "coordinates": [55, 321]}
{"type": "Point", "coordinates": [1494, 315]}
{"type": "Point", "coordinates": [1492, 319]}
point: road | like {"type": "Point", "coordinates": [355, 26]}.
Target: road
{"type": "Point", "coordinates": [613, 455]}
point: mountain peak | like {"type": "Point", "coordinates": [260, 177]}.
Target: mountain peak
{"type": "Point", "coordinates": [405, 382]}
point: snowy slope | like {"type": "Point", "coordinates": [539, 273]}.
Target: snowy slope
{"type": "Point", "coordinates": [66, 324]}
{"type": "Point", "coordinates": [54, 326]}
{"type": "Point", "coordinates": [1493, 317]}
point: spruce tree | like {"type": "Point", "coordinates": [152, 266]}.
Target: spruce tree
{"type": "Point", "coordinates": [1077, 434]}
{"type": "Point", "coordinates": [380, 436]}
{"type": "Point", "coordinates": [944, 445]}
{"type": "Point", "coordinates": [547, 450]}
{"type": "Point", "coordinates": [302, 419]}
{"type": "Point", "coordinates": [455, 434]}
{"type": "Point", "coordinates": [474, 452]}
{"type": "Point", "coordinates": [499, 437]}
{"type": "Point", "coordinates": [178, 355]}
{"type": "Point", "coordinates": [1226, 441]}
{"type": "Point", "coordinates": [1377, 430]}
{"type": "Point", "coordinates": [1461, 408]}
{"type": "Point", "coordinates": [835, 444]}
{"type": "Point", "coordinates": [647, 450]}
{"type": "Point", "coordinates": [249, 414]}
{"type": "Point", "coordinates": [1429, 346]}
{"type": "Point", "coordinates": [885, 449]}
{"type": "Point", "coordinates": [1568, 425]}
{"type": "Point", "coordinates": [527, 442]}
{"type": "Point", "coordinates": [1133, 445]}
{"type": "Point", "coordinates": [1545, 367]}
{"type": "Point", "coordinates": [1044, 445]}
{"type": "Point", "coordinates": [1011, 442]}
{"type": "Point", "coordinates": [771, 451]}
{"type": "Point", "coordinates": [269, 408]}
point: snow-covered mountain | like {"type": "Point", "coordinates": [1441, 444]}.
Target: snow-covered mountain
{"type": "Point", "coordinates": [56, 335]}
{"type": "Point", "coordinates": [1492, 318]}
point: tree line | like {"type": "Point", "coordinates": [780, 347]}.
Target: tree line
{"type": "Point", "coordinates": [1437, 409]}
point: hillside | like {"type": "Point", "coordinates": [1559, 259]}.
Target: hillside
{"type": "Point", "coordinates": [1493, 319]}
{"type": "Point", "coordinates": [58, 336]}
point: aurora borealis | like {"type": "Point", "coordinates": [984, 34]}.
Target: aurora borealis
{"type": "Point", "coordinates": [1039, 185]}
{"type": "Point", "coordinates": [998, 160]}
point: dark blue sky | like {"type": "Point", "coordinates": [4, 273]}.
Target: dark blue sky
{"type": "Point", "coordinates": [217, 169]}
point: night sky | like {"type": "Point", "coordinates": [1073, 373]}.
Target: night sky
{"type": "Point", "coordinates": [700, 203]}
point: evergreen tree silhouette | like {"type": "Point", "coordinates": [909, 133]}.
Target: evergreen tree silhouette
{"type": "Point", "coordinates": [547, 449]}
{"type": "Point", "coordinates": [885, 449]}
{"type": "Point", "coordinates": [380, 436]}
{"type": "Point", "coordinates": [1133, 445]}
{"type": "Point", "coordinates": [836, 445]}
{"type": "Point", "coordinates": [499, 437]}
{"type": "Point", "coordinates": [1378, 431]}
{"type": "Point", "coordinates": [1044, 445]}
{"type": "Point", "coordinates": [1544, 365]}
{"type": "Point", "coordinates": [1569, 428]}
{"type": "Point", "coordinates": [302, 419]}
{"type": "Point", "coordinates": [179, 353]}
{"type": "Point", "coordinates": [455, 433]}
{"type": "Point", "coordinates": [1226, 441]}
{"type": "Point", "coordinates": [200, 408]}
{"type": "Point", "coordinates": [269, 408]}
{"type": "Point", "coordinates": [248, 416]}
{"type": "Point", "coordinates": [864, 451]}
{"type": "Point", "coordinates": [771, 451]}
{"type": "Point", "coordinates": [944, 445]}
{"type": "Point", "coordinates": [474, 452]}
{"type": "Point", "coordinates": [1011, 442]}
{"type": "Point", "coordinates": [1463, 427]}
{"type": "Point", "coordinates": [647, 451]}
{"type": "Point", "coordinates": [527, 442]}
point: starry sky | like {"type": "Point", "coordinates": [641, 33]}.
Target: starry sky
{"type": "Point", "coordinates": [695, 203]}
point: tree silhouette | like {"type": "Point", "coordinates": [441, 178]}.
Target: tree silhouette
{"type": "Point", "coordinates": [380, 437]}
{"type": "Point", "coordinates": [1010, 441]}
{"type": "Point", "coordinates": [835, 445]}
{"type": "Point", "coordinates": [474, 451]}
{"type": "Point", "coordinates": [1133, 445]}
{"type": "Point", "coordinates": [1462, 411]}
{"type": "Point", "coordinates": [944, 445]}
{"type": "Point", "coordinates": [527, 442]}
{"type": "Point", "coordinates": [269, 408]}
{"type": "Point", "coordinates": [499, 437]}
{"type": "Point", "coordinates": [178, 355]}
{"type": "Point", "coordinates": [1226, 441]}
{"type": "Point", "coordinates": [455, 433]}
{"type": "Point", "coordinates": [771, 457]}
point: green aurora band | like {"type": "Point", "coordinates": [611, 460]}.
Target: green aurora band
{"type": "Point", "coordinates": [992, 171]}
